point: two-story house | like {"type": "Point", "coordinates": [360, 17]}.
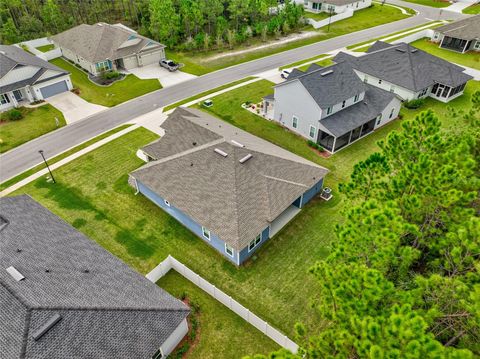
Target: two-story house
{"type": "Point", "coordinates": [25, 78]}
{"type": "Point", "coordinates": [331, 106]}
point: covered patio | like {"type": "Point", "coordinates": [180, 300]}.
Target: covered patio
{"type": "Point", "coordinates": [455, 44]}
{"type": "Point", "coordinates": [334, 143]}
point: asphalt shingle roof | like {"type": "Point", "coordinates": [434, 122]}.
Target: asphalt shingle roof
{"type": "Point", "coordinates": [406, 66]}
{"type": "Point", "coordinates": [234, 201]}
{"type": "Point", "coordinates": [465, 29]}
{"type": "Point", "coordinates": [106, 308]}
{"type": "Point", "coordinates": [102, 41]}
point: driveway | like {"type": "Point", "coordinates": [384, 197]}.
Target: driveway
{"type": "Point", "coordinates": [166, 78]}
{"type": "Point", "coordinates": [73, 107]}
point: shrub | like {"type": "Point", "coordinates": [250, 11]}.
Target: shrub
{"type": "Point", "coordinates": [14, 115]}
{"type": "Point", "coordinates": [414, 104]}
{"type": "Point", "coordinates": [315, 145]}
{"type": "Point", "coordinates": [111, 75]}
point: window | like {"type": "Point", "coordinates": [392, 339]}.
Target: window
{"type": "Point", "coordinates": [329, 110]}
{"type": "Point", "coordinates": [343, 103]}
{"type": "Point", "coordinates": [167, 203]}
{"type": "Point", "coordinates": [379, 119]}
{"type": "Point", "coordinates": [312, 132]}
{"type": "Point", "coordinates": [228, 250]}
{"type": "Point", "coordinates": [206, 233]}
{"type": "Point", "coordinates": [356, 98]}
{"type": "Point", "coordinates": [254, 243]}
{"type": "Point", "coordinates": [103, 66]}
{"type": "Point", "coordinates": [4, 99]}
{"type": "Point", "coordinates": [294, 121]}
{"type": "Point", "coordinates": [391, 113]}
{"type": "Point", "coordinates": [158, 354]}
{"type": "Point", "coordinates": [477, 45]}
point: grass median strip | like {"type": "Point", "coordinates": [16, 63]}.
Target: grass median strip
{"type": "Point", "coordinates": [60, 157]}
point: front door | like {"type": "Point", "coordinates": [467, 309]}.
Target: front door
{"type": "Point", "coordinates": [18, 95]}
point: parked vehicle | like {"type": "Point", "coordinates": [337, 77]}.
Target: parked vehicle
{"type": "Point", "coordinates": [285, 74]}
{"type": "Point", "coordinates": [169, 65]}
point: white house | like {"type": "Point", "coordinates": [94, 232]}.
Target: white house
{"type": "Point", "coordinates": [461, 36]}
{"type": "Point", "coordinates": [331, 106]}
{"type": "Point", "coordinates": [25, 78]}
{"type": "Point", "coordinates": [334, 6]}
{"type": "Point", "coordinates": [104, 47]}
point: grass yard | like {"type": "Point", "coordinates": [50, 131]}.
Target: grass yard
{"type": "Point", "coordinates": [432, 3]}
{"type": "Point", "coordinates": [201, 62]}
{"type": "Point", "coordinates": [473, 9]}
{"type": "Point", "coordinates": [470, 59]}
{"type": "Point", "coordinates": [46, 48]}
{"type": "Point", "coordinates": [222, 333]}
{"type": "Point", "coordinates": [118, 92]}
{"type": "Point", "coordinates": [324, 63]}
{"type": "Point", "coordinates": [35, 122]}
{"type": "Point", "coordinates": [317, 16]}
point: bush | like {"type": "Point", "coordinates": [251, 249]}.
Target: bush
{"type": "Point", "coordinates": [414, 104]}
{"type": "Point", "coordinates": [315, 145]}
{"type": "Point", "coordinates": [13, 115]}
{"type": "Point", "coordinates": [111, 75]}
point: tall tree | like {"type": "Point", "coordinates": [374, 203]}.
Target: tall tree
{"type": "Point", "coordinates": [164, 21]}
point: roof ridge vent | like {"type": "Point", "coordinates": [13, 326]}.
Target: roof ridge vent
{"type": "Point", "coordinates": [49, 324]}
{"type": "Point", "coordinates": [245, 159]}
{"type": "Point", "coordinates": [220, 152]}
{"type": "Point", "coordinates": [15, 273]}
{"type": "Point", "coordinates": [237, 143]}
{"type": "Point", "coordinates": [326, 73]}
{"type": "Point", "coordinates": [414, 50]}
{"type": "Point", "coordinates": [400, 50]}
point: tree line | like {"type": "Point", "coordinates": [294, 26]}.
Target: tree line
{"type": "Point", "coordinates": [181, 24]}
{"type": "Point", "coordinates": [403, 277]}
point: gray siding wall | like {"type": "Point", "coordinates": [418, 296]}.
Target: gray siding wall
{"type": "Point", "coordinates": [312, 192]}
{"type": "Point", "coordinates": [245, 254]}
{"type": "Point", "coordinates": [338, 107]}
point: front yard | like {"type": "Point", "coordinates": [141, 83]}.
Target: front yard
{"type": "Point", "coordinates": [432, 3]}
{"type": "Point", "coordinates": [109, 96]}
{"type": "Point", "coordinates": [201, 62]}
{"type": "Point", "coordinates": [35, 122]}
{"type": "Point", "coordinates": [470, 59]}
{"type": "Point", "coordinates": [473, 9]}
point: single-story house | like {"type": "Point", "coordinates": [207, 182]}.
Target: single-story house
{"type": "Point", "coordinates": [408, 72]}
{"type": "Point", "coordinates": [230, 188]}
{"type": "Point", "coordinates": [103, 47]}
{"type": "Point", "coordinates": [461, 36]}
{"type": "Point", "coordinates": [330, 105]}
{"type": "Point", "coordinates": [64, 296]}
{"type": "Point", "coordinates": [25, 78]}
{"type": "Point", "coordinates": [334, 6]}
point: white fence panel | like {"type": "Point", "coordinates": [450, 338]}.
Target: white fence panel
{"type": "Point", "coordinates": [223, 298]}
{"type": "Point", "coordinates": [191, 275]}
{"type": "Point", "coordinates": [415, 36]}
{"type": "Point", "coordinates": [318, 24]}
{"type": "Point", "coordinates": [258, 323]}
{"type": "Point", "coordinates": [159, 271]}
{"type": "Point", "coordinates": [239, 309]}
{"type": "Point", "coordinates": [206, 286]}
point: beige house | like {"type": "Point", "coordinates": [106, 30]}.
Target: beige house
{"type": "Point", "coordinates": [104, 47]}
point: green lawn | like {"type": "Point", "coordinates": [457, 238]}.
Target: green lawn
{"type": "Point", "coordinates": [118, 92]}
{"type": "Point", "coordinates": [473, 9]}
{"type": "Point", "coordinates": [324, 63]}
{"type": "Point", "coordinates": [432, 3]}
{"type": "Point", "coordinates": [35, 122]}
{"type": "Point", "coordinates": [222, 333]}
{"type": "Point", "coordinates": [46, 48]}
{"type": "Point", "coordinates": [317, 16]}
{"type": "Point", "coordinates": [470, 59]}
{"type": "Point", "coordinates": [201, 62]}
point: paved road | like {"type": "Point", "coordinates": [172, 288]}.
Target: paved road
{"type": "Point", "coordinates": [23, 157]}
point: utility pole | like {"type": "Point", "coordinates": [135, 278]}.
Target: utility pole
{"type": "Point", "coordinates": [330, 10]}
{"type": "Point", "coordinates": [46, 164]}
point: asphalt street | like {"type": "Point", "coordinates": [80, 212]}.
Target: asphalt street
{"type": "Point", "coordinates": [26, 156]}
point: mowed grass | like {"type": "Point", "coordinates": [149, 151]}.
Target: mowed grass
{"type": "Point", "coordinates": [200, 62]}
{"type": "Point", "coordinates": [120, 91]}
{"type": "Point", "coordinates": [432, 3]}
{"type": "Point", "coordinates": [46, 48]}
{"type": "Point", "coordinates": [35, 122]}
{"type": "Point", "coordinates": [470, 59]}
{"type": "Point", "coordinates": [317, 16]}
{"type": "Point", "coordinates": [221, 333]}
{"type": "Point", "coordinates": [473, 9]}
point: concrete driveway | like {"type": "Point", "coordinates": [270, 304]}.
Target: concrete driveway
{"type": "Point", "coordinates": [73, 107]}
{"type": "Point", "coordinates": [166, 78]}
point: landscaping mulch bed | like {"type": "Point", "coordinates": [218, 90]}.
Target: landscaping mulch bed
{"type": "Point", "coordinates": [99, 80]}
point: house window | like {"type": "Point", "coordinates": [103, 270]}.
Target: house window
{"type": "Point", "coordinates": [4, 99]}
{"type": "Point", "coordinates": [167, 203]}
{"type": "Point", "coordinates": [102, 66]}
{"type": "Point", "coordinates": [329, 110]}
{"type": "Point", "coordinates": [312, 132]}
{"type": "Point", "coordinates": [379, 119]}
{"type": "Point", "coordinates": [356, 98]}
{"type": "Point", "coordinates": [294, 121]}
{"type": "Point", "coordinates": [391, 113]}
{"type": "Point", "coordinates": [158, 354]}
{"type": "Point", "coordinates": [477, 45]}
{"type": "Point", "coordinates": [229, 250]}
{"type": "Point", "coordinates": [206, 233]}
{"type": "Point", "coordinates": [343, 103]}
{"type": "Point", "coordinates": [254, 243]}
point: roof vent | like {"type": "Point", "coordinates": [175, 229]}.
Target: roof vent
{"type": "Point", "coordinates": [237, 143]}
{"type": "Point", "coordinates": [414, 50]}
{"type": "Point", "coordinates": [49, 324]}
{"type": "Point", "coordinates": [326, 73]}
{"type": "Point", "coordinates": [220, 152]}
{"type": "Point", "coordinates": [15, 273]}
{"type": "Point", "coordinates": [400, 50]}
{"type": "Point", "coordinates": [246, 158]}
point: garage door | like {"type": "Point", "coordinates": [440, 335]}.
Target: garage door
{"type": "Point", "coordinates": [54, 89]}
{"type": "Point", "coordinates": [152, 58]}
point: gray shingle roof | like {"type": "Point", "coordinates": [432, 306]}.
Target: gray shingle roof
{"type": "Point", "coordinates": [114, 309]}
{"type": "Point", "coordinates": [373, 104]}
{"type": "Point", "coordinates": [406, 66]}
{"type": "Point", "coordinates": [102, 41]}
{"type": "Point", "coordinates": [465, 29]}
{"type": "Point", "coordinates": [234, 201]}
{"type": "Point", "coordinates": [329, 85]}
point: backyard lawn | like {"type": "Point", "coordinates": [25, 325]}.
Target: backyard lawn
{"type": "Point", "coordinates": [201, 62]}
{"type": "Point", "coordinates": [473, 9]}
{"type": "Point", "coordinates": [46, 48]}
{"type": "Point", "coordinates": [432, 3]}
{"type": "Point", "coordinates": [470, 59]}
{"type": "Point", "coordinates": [35, 122]}
{"type": "Point", "coordinates": [118, 92]}
{"type": "Point", "coordinates": [317, 16]}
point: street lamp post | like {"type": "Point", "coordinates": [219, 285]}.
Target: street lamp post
{"type": "Point", "coordinates": [330, 10]}
{"type": "Point", "coordinates": [46, 164]}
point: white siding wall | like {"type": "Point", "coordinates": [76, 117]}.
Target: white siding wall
{"type": "Point", "coordinates": [403, 93]}
{"type": "Point", "coordinates": [175, 338]}
{"type": "Point", "coordinates": [18, 74]}
{"type": "Point", "coordinates": [338, 106]}
{"type": "Point", "coordinates": [394, 105]}
{"type": "Point", "coordinates": [293, 100]}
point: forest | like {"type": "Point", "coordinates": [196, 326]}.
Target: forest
{"type": "Point", "coordinates": [179, 24]}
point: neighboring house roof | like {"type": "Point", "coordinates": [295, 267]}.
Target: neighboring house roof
{"type": "Point", "coordinates": [374, 102]}
{"type": "Point", "coordinates": [329, 85]}
{"type": "Point", "coordinates": [85, 301]}
{"type": "Point", "coordinates": [465, 29]}
{"type": "Point", "coordinates": [406, 66]}
{"type": "Point", "coordinates": [335, 2]}
{"type": "Point", "coordinates": [12, 57]}
{"type": "Point", "coordinates": [234, 201]}
{"type": "Point", "coordinates": [102, 41]}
